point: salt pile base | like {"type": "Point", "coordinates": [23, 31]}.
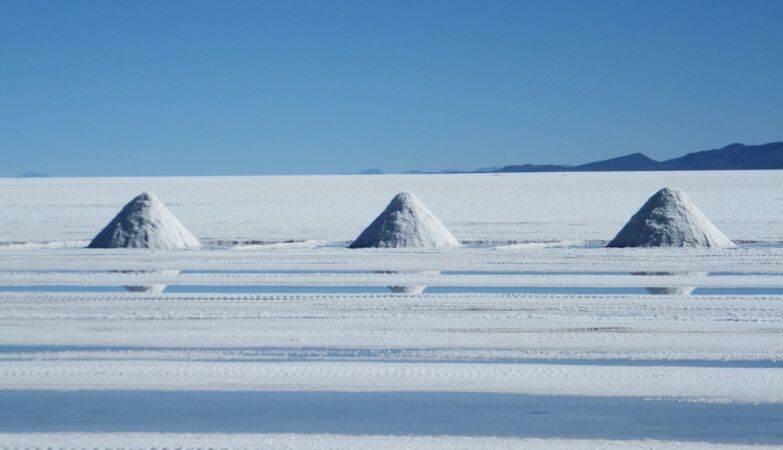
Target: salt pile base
{"type": "Point", "coordinates": [145, 222]}
{"type": "Point", "coordinates": [670, 219]}
{"type": "Point", "coordinates": [406, 222]}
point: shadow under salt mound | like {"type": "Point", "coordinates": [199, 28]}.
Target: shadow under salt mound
{"type": "Point", "coordinates": [409, 289]}
{"type": "Point", "coordinates": [148, 288]}
{"type": "Point", "coordinates": [670, 290]}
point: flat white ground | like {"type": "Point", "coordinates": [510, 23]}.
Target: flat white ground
{"type": "Point", "coordinates": [477, 207]}
{"type": "Point", "coordinates": [532, 335]}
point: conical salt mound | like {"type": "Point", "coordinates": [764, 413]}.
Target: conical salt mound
{"type": "Point", "coordinates": [406, 222]}
{"type": "Point", "coordinates": [670, 219]}
{"type": "Point", "coordinates": [144, 223]}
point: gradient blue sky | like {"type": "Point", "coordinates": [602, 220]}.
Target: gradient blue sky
{"type": "Point", "coordinates": [251, 87]}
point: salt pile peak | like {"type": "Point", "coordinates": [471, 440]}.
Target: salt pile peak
{"type": "Point", "coordinates": [670, 219]}
{"type": "Point", "coordinates": [406, 222]}
{"type": "Point", "coordinates": [145, 222]}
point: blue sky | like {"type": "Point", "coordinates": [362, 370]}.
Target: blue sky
{"type": "Point", "coordinates": [251, 87]}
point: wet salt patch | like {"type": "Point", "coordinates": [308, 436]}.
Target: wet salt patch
{"type": "Point", "coordinates": [65, 288]}
{"type": "Point", "coordinates": [401, 290]}
{"type": "Point", "coordinates": [737, 291]}
{"type": "Point", "coordinates": [371, 272]}
{"type": "Point", "coordinates": [387, 355]}
{"type": "Point", "coordinates": [595, 290]}
{"type": "Point", "coordinates": [397, 287]}
{"type": "Point", "coordinates": [531, 290]}
{"type": "Point", "coordinates": [279, 272]}
{"type": "Point", "coordinates": [191, 289]}
{"type": "Point", "coordinates": [389, 413]}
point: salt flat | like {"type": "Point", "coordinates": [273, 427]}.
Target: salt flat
{"type": "Point", "coordinates": [276, 336]}
{"type": "Point", "coordinates": [476, 207]}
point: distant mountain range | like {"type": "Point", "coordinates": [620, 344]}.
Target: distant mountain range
{"type": "Point", "coordinates": [33, 175]}
{"type": "Point", "coordinates": [370, 172]}
{"type": "Point", "coordinates": [732, 157]}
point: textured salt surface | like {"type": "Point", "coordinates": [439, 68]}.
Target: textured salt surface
{"type": "Point", "coordinates": [694, 384]}
{"type": "Point", "coordinates": [465, 326]}
{"type": "Point", "coordinates": [144, 223]}
{"type": "Point", "coordinates": [430, 278]}
{"type": "Point", "coordinates": [742, 260]}
{"type": "Point", "coordinates": [482, 370]}
{"type": "Point", "coordinates": [406, 222]}
{"type": "Point", "coordinates": [670, 219]}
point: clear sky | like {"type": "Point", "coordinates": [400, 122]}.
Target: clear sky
{"type": "Point", "coordinates": [253, 87]}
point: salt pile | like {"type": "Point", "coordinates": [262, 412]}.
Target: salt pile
{"type": "Point", "coordinates": [670, 219]}
{"type": "Point", "coordinates": [406, 222]}
{"type": "Point", "coordinates": [145, 223]}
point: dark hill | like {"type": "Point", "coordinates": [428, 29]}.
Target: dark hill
{"type": "Point", "coordinates": [637, 161]}
{"type": "Point", "coordinates": [732, 157]}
